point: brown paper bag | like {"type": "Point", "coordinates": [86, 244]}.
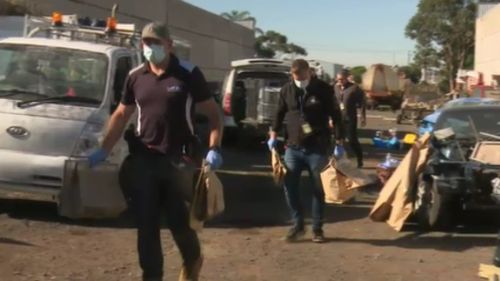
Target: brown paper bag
{"type": "Point", "coordinates": [279, 169]}
{"type": "Point", "coordinates": [337, 187]}
{"type": "Point", "coordinates": [208, 200]}
{"type": "Point", "coordinates": [90, 193]}
{"type": "Point", "coordinates": [394, 202]}
{"type": "Point", "coordinates": [215, 195]}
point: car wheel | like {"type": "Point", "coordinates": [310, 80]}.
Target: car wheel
{"type": "Point", "coordinates": [432, 209]}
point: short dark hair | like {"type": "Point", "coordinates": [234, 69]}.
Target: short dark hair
{"type": "Point", "coordinates": [299, 65]}
{"type": "Point", "coordinates": [345, 73]}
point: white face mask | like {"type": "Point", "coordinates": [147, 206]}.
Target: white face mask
{"type": "Point", "coordinates": [154, 53]}
{"type": "Point", "coordinates": [302, 84]}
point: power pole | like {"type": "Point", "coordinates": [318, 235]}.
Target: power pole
{"type": "Point", "coordinates": [410, 57]}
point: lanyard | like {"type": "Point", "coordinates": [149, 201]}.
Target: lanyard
{"type": "Point", "coordinates": [301, 99]}
{"type": "Point", "coordinates": [342, 93]}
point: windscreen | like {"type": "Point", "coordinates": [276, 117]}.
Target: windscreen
{"type": "Point", "coordinates": [465, 123]}
{"type": "Point", "coordinates": [52, 72]}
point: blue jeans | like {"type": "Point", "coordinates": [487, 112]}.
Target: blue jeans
{"type": "Point", "coordinates": [296, 160]}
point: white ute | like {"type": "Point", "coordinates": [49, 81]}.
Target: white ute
{"type": "Point", "coordinates": [59, 85]}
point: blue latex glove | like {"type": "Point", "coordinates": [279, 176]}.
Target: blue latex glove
{"type": "Point", "coordinates": [97, 157]}
{"type": "Point", "coordinates": [272, 143]}
{"type": "Point", "coordinates": [214, 159]}
{"type": "Point", "coordinates": [339, 151]}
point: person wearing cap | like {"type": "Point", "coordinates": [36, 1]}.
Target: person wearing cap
{"type": "Point", "coordinates": [351, 97]}
{"type": "Point", "coordinates": [307, 104]}
{"type": "Point", "coordinates": [165, 91]}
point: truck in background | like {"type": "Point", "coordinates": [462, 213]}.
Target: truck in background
{"type": "Point", "coordinates": [382, 87]}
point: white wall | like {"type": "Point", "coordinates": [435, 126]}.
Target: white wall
{"type": "Point", "coordinates": [214, 41]}
{"type": "Point", "coordinates": [11, 26]}
{"type": "Point", "coordinates": [487, 54]}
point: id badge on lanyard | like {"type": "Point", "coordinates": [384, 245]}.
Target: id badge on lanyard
{"type": "Point", "coordinates": [342, 106]}
{"type": "Point", "coordinates": [306, 127]}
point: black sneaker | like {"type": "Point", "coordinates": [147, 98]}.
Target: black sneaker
{"type": "Point", "coordinates": [318, 236]}
{"type": "Point", "coordinates": [294, 234]}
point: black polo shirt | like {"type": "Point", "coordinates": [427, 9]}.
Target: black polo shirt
{"type": "Point", "coordinates": [165, 103]}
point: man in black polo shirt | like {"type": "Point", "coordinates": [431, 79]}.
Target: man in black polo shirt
{"type": "Point", "coordinates": [307, 104]}
{"type": "Point", "coordinates": [165, 91]}
{"type": "Point", "coordinates": [350, 98]}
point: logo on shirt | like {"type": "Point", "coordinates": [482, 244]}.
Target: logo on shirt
{"type": "Point", "coordinates": [174, 89]}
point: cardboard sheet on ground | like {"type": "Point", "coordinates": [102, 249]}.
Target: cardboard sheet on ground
{"type": "Point", "coordinates": [348, 169]}
{"type": "Point", "coordinates": [90, 193]}
{"type": "Point", "coordinates": [338, 187]}
{"type": "Point", "coordinates": [394, 204]}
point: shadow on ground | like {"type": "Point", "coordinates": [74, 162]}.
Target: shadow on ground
{"type": "Point", "coordinates": [447, 242]}
{"type": "Point", "coordinates": [252, 201]}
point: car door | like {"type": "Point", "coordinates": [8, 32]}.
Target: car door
{"type": "Point", "coordinates": [122, 66]}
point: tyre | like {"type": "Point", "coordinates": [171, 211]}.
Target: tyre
{"type": "Point", "coordinates": [432, 209]}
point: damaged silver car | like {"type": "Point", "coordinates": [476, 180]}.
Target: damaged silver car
{"type": "Point", "coordinates": [463, 169]}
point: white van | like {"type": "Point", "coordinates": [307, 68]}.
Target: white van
{"type": "Point", "coordinates": [56, 95]}
{"type": "Point", "coordinates": [251, 91]}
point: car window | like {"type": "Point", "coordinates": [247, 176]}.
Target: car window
{"type": "Point", "coordinates": [123, 67]}
{"type": "Point", "coordinates": [464, 123]}
{"type": "Point", "coordinates": [5, 58]}
{"type": "Point", "coordinates": [53, 71]}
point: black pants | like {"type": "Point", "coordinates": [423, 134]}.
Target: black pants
{"type": "Point", "coordinates": [154, 188]}
{"type": "Point", "coordinates": [352, 137]}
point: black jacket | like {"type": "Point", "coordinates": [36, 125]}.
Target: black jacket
{"type": "Point", "coordinates": [318, 107]}
{"type": "Point", "coordinates": [352, 97]}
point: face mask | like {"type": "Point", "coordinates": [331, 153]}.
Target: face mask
{"type": "Point", "coordinates": [302, 84]}
{"type": "Point", "coordinates": [154, 53]}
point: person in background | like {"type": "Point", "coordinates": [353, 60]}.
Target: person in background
{"type": "Point", "coordinates": [239, 102]}
{"type": "Point", "coordinates": [307, 104]}
{"type": "Point", "coordinates": [351, 97]}
{"type": "Point", "coordinates": [164, 89]}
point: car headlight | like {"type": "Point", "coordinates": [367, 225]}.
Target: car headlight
{"type": "Point", "coordinates": [89, 140]}
{"type": "Point", "coordinates": [446, 152]}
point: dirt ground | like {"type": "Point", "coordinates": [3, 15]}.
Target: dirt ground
{"type": "Point", "coordinates": [245, 243]}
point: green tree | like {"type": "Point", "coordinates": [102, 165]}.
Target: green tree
{"type": "Point", "coordinates": [271, 43]}
{"type": "Point", "coordinates": [444, 33]}
{"type": "Point", "coordinates": [412, 72]}
{"type": "Point", "coordinates": [358, 72]}
{"type": "Point", "coordinates": [267, 44]}
{"type": "Point", "coordinates": [235, 15]}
